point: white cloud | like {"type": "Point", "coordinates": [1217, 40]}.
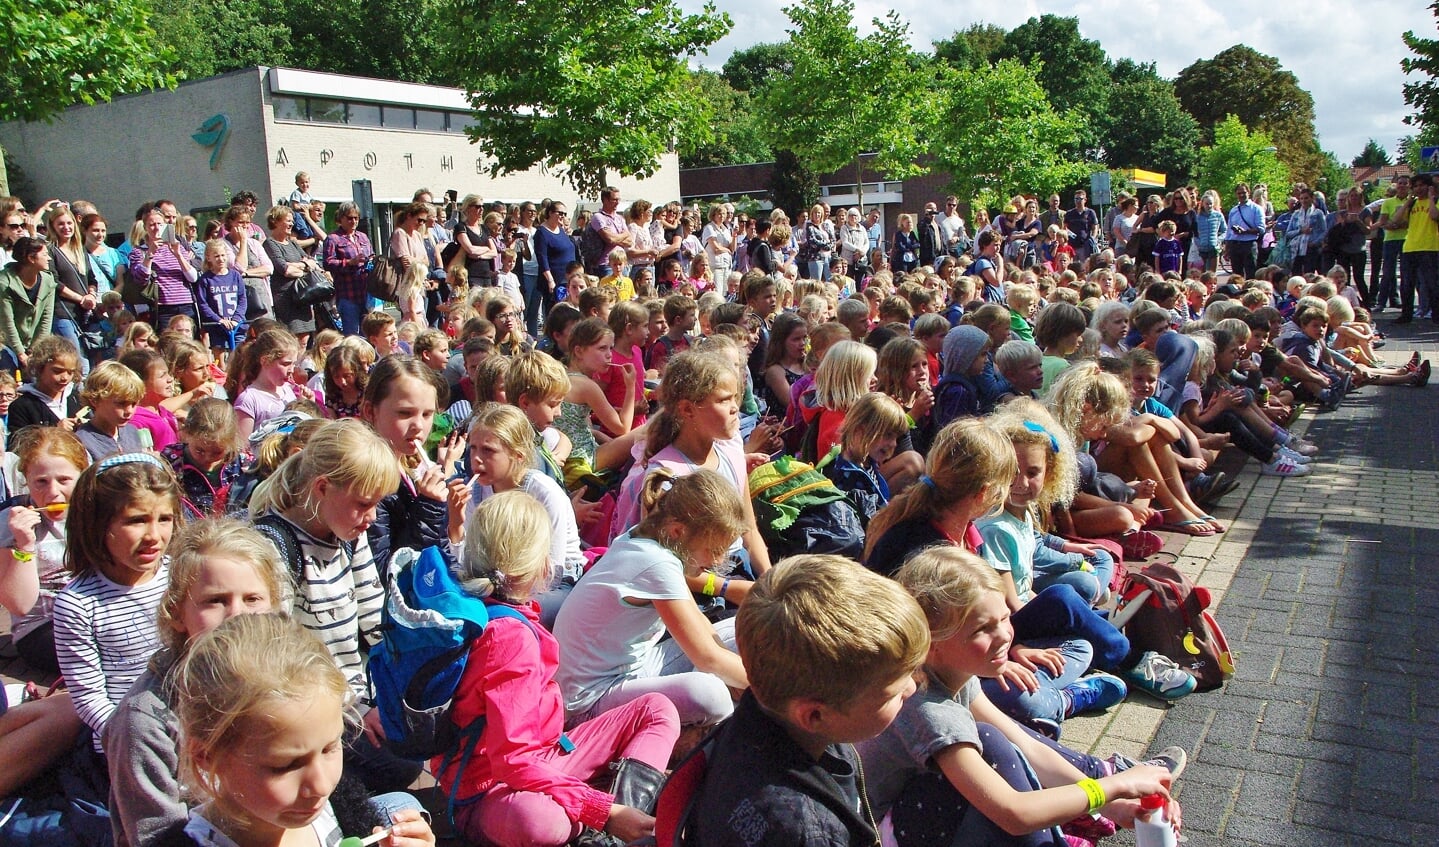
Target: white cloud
{"type": "Point", "coordinates": [1345, 53]}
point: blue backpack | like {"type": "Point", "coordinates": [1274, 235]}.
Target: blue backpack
{"type": "Point", "coordinates": [429, 625]}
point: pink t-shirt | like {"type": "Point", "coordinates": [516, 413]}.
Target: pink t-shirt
{"type": "Point", "coordinates": [261, 405]}
{"type": "Point", "coordinates": [160, 422]}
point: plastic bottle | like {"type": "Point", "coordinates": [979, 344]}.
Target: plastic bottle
{"type": "Point", "coordinates": [1151, 826]}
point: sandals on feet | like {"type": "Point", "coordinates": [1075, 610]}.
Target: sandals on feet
{"type": "Point", "coordinates": [1194, 526]}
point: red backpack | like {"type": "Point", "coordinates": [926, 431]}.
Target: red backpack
{"type": "Point", "coordinates": [1160, 609]}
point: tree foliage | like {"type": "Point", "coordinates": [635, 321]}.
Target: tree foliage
{"type": "Point", "coordinates": [579, 89]}
{"type": "Point", "coordinates": [206, 39]}
{"type": "Point", "coordinates": [59, 53]}
{"type": "Point", "coordinates": [384, 39]}
{"type": "Point", "coordinates": [976, 44]}
{"type": "Point", "coordinates": [1238, 155]}
{"type": "Point", "coordinates": [1372, 156]}
{"type": "Point", "coordinates": [1074, 74]}
{"type": "Point", "coordinates": [738, 138]}
{"type": "Point", "coordinates": [1255, 88]}
{"type": "Point", "coordinates": [749, 69]}
{"type": "Point", "coordinates": [996, 134]}
{"type": "Point", "coordinates": [792, 185]}
{"type": "Point", "coordinates": [1422, 94]}
{"type": "Point", "coordinates": [845, 95]}
{"type": "Point", "coordinates": [1145, 126]}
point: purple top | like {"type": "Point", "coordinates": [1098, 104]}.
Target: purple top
{"type": "Point", "coordinates": [175, 276]}
{"type": "Point", "coordinates": [222, 297]}
{"type": "Point", "coordinates": [349, 281]}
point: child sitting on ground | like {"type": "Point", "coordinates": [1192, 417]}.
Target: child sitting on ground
{"type": "Point", "coordinates": [954, 769]}
{"type": "Point", "coordinates": [871, 429]}
{"type": "Point", "coordinates": [826, 670]}
{"type": "Point", "coordinates": [50, 397]}
{"type": "Point", "coordinates": [112, 392]}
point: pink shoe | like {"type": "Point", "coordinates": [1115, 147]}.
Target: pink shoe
{"type": "Point", "coordinates": [1140, 544]}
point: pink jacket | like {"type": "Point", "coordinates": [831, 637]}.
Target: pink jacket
{"type": "Point", "coordinates": [510, 681]}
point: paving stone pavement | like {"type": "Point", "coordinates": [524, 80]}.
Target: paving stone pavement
{"type": "Point", "coordinates": [1323, 587]}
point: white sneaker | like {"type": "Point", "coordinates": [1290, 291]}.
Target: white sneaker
{"type": "Point", "coordinates": [1283, 466]}
{"type": "Point", "coordinates": [1294, 456]}
{"type": "Point", "coordinates": [1160, 676]}
{"type": "Point", "coordinates": [1302, 447]}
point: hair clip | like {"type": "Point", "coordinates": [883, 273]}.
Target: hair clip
{"type": "Point", "coordinates": [129, 459]}
{"type": "Point", "coordinates": [928, 480]}
{"type": "Point", "coordinates": [1036, 428]}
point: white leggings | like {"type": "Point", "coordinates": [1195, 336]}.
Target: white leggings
{"type": "Point", "coordinates": [700, 698]}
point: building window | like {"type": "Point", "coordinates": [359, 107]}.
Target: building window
{"type": "Point", "coordinates": [398, 117]}
{"type": "Point", "coordinates": [327, 111]}
{"type": "Point", "coordinates": [458, 121]}
{"type": "Point", "coordinates": [428, 120]}
{"type": "Point", "coordinates": [362, 114]}
{"type": "Point", "coordinates": [290, 108]}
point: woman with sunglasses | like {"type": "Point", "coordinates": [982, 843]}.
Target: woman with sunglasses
{"type": "Point", "coordinates": [554, 251]}
{"type": "Point", "coordinates": [346, 253]}
{"type": "Point", "coordinates": [27, 301]}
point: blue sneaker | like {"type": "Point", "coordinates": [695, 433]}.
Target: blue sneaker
{"type": "Point", "coordinates": [1159, 675]}
{"type": "Point", "coordinates": [1093, 693]}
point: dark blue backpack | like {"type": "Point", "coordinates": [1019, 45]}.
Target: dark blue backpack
{"type": "Point", "coordinates": [429, 625]}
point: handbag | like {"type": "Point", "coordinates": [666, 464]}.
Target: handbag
{"type": "Point", "coordinates": [313, 288]}
{"type": "Point", "coordinates": [133, 292]}
{"type": "Point", "coordinates": [383, 282]}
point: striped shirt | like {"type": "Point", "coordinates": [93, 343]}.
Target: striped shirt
{"type": "Point", "coordinates": [104, 635]}
{"type": "Point", "coordinates": [339, 600]}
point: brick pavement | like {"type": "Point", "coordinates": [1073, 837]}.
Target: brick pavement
{"type": "Point", "coordinates": [1320, 585]}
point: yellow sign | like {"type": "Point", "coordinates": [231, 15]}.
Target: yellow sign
{"type": "Point", "coordinates": [1148, 179]}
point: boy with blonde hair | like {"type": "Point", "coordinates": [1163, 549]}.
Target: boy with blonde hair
{"type": "Point", "coordinates": [112, 391]}
{"type": "Point", "coordinates": [826, 669]}
{"type": "Point", "coordinates": [537, 383]}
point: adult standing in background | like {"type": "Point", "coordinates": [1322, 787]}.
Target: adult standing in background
{"type": "Point", "coordinates": [951, 228]}
{"type": "Point", "coordinates": [27, 301]}
{"type": "Point", "coordinates": [1420, 259]}
{"type": "Point", "coordinates": [346, 253]}
{"type": "Point", "coordinates": [528, 266]}
{"type": "Point", "coordinates": [817, 247]}
{"type": "Point", "coordinates": [1053, 215]}
{"type": "Point", "coordinates": [612, 227]}
{"type": "Point", "coordinates": [1246, 227]}
{"type": "Point", "coordinates": [1394, 232]}
{"type": "Point", "coordinates": [1121, 226]}
{"type": "Point", "coordinates": [172, 266]}
{"type": "Point", "coordinates": [1181, 212]}
{"type": "Point", "coordinates": [70, 264]}
{"type": "Point", "coordinates": [1083, 226]}
{"type": "Point", "coordinates": [247, 255]}
{"type": "Point", "coordinates": [554, 251]}
{"type": "Point", "coordinates": [291, 263]}
{"type": "Point", "coordinates": [906, 246]}
{"type": "Point", "coordinates": [474, 240]}
{"type": "Point", "coordinates": [642, 252]}
{"type": "Point", "coordinates": [718, 246]}
{"type": "Point", "coordinates": [104, 259]}
{"type": "Point", "coordinates": [854, 240]}
{"type": "Point", "coordinates": [875, 230]}
{"type": "Point", "coordinates": [931, 240]}
{"type": "Point", "coordinates": [1349, 227]}
{"type": "Point", "coordinates": [1307, 227]}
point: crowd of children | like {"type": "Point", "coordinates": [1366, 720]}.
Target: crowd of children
{"type": "Point", "coordinates": [1006, 438]}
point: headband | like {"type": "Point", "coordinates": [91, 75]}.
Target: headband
{"type": "Point", "coordinates": [1039, 430]}
{"type": "Point", "coordinates": [129, 459]}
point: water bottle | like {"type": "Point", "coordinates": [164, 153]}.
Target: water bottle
{"type": "Point", "coordinates": [1151, 826]}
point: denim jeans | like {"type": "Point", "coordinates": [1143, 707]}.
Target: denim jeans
{"type": "Point", "coordinates": [1045, 703]}
{"type": "Point", "coordinates": [1052, 567]}
{"type": "Point", "coordinates": [351, 312]}
{"type": "Point", "coordinates": [1389, 275]}
{"type": "Point", "coordinates": [530, 292]}
{"type": "Point", "coordinates": [1059, 612]}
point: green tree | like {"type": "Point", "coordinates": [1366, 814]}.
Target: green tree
{"type": "Point", "coordinates": [208, 38]}
{"type": "Point", "coordinates": [1255, 88]}
{"type": "Point", "coordinates": [1333, 176]}
{"type": "Point", "coordinates": [582, 90]}
{"type": "Point", "coordinates": [1074, 74]}
{"type": "Point", "coordinates": [749, 69]}
{"type": "Point", "coordinates": [1372, 156]}
{"type": "Point", "coordinates": [996, 134]}
{"type": "Point", "coordinates": [59, 53]}
{"type": "Point", "coordinates": [738, 138]}
{"type": "Point", "coordinates": [1422, 94]}
{"type": "Point", "coordinates": [385, 39]}
{"type": "Point", "coordinates": [1145, 126]}
{"type": "Point", "coordinates": [792, 186]}
{"type": "Point", "coordinates": [1238, 155]}
{"type": "Point", "coordinates": [976, 44]}
{"type": "Point", "coordinates": [870, 89]}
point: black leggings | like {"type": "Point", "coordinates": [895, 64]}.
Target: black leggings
{"type": "Point", "coordinates": [1243, 436]}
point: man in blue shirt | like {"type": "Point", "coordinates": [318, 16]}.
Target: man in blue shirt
{"type": "Point", "coordinates": [1246, 227]}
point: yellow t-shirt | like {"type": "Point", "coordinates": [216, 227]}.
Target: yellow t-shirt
{"type": "Point", "coordinates": [1389, 207]}
{"type": "Point", "coordinates": [1423, 235]}
{"type": "Point", "coordinates": [623, 284]}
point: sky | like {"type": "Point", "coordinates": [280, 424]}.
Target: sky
{"type": "Point", "coordinates": [1344, 52]}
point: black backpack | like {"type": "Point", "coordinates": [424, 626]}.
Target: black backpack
{"type": "Point", "coordinates": [594, 250]}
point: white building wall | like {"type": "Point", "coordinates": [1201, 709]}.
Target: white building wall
{"type": "Point", "coordinates": [139, 148]}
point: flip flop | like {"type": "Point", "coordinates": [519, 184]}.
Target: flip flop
{"type": "Point", "coordinates": [1194, 526]}
{"type": "Point", "coordinates": [1213, 523]}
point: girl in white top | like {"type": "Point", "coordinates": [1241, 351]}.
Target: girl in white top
{"type": "Point", "coordinates": [718, 243]}
{"type": "Point", "coordinates": [502, 457]}
{"type": "Point", "coordinates": [105, 618]}
{"type": "Point", "coordinates": [262, 723]}
{"type": "Point", "coordinates": [611, 626]}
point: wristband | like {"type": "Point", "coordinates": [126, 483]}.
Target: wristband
{"type": "Point", "coordinates": [23, 555]}
{"type": "Point", "coordinates": [1094, 792]}
{"type": "Point", "coordinates": [724, 586]}
{"type": "Point", "coordinates": [709, 589]}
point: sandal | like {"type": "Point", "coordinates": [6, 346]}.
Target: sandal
{"type": "Point", "coordinates": [1194, 526]}
{"type": "Point", "coordinates": [1213, 522]}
